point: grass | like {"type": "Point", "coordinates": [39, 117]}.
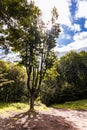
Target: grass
{"type": "Point", "coordinates": [73, 105]}
{"type": "Point", "coordinates": [5, 107]}
{"type": "Point", "coordinates": [13, 107]}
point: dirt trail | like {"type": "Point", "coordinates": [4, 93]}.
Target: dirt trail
{"type": "Point", "coordinates": [78, 118]}
{"type": "Point", "coordinates": [51, 119]}
{"type": "Point", "coordinates": [33, 121]}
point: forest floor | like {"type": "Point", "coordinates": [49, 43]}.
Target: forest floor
{"type": "Point", "coordinates": [51, 119]}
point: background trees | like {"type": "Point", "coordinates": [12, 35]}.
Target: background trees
{"type": "Point", "coordinates": [73, 70]}
{"type": "Point", "coordinates": [3, 73]}
{"type": "Point", "coordinates": [17, 91]}
{"type": "Point", "coordinates": [71, 81]}
{"type": "Point", "coordinates": [14, 88]}
{"type": "Point", "coordinates": [49, 92]}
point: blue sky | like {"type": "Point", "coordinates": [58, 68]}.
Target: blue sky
{"type": "Point", "coordinates": [73, 23]}
{"type": "Point", "coordinates": [72, 20]}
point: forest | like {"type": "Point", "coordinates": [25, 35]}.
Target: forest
{"type": "Point", "coordinates": [65, 81]}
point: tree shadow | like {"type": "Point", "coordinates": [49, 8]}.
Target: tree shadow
{"type": "Point", "coordinates": [35, 121]}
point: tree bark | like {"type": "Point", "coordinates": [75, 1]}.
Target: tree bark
{"type": "Point", "coordinates": [32, 99]}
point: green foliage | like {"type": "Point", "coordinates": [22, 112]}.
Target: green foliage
{"type": "Point", "coordinates": [3, 73]}
{"type": "Point", "coordinates": [18, 75]}
{"type": "Point", "coordinates": [74, 71]}
{"type": "Point", "coordinates": [70, 82]}
{"type": "Point", "coordinates": [14, 90]}
{"type": "Point", "coordinates": [28, 34]}
{"type": "Point", "coordinates": [73, 105]}
{"type": "Point", "coordinates": [48, 90]}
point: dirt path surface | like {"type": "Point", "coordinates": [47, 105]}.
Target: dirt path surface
{"type": "Point", "coordinates": [78, 118]}
{"type": "Point", "coordinates": [52, 119]}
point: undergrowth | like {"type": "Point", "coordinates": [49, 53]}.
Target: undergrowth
{"type": "Point", "coordinates": [73, 105]}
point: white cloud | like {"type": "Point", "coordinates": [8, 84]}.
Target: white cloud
{"type": "Point", "coordinates": [85, 24]}
{"type": "Point", "coordinates": [75, 27]}
{"type": "Point", "coordinates": [80, 36]}
{"type": "Point", "coordinates": [65, 36]}
{"type": "Point", "coordinates": [62, 7]}
{"type": "Point", "coordinates": [12, 57]}
{"type": "Point", "coordinates": [80, 41]}
{"type": "Point", "coordinates": [73, 46]}
{"type": "Point", "coordinates": [82, 9]}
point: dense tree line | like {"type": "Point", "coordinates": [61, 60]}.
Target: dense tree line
{"type": "Point", "coordinates": [66, 80]}
{"type": "Point", "coordinates": [13, 83]}
{"type": "Point", "coordinates": [69, 81]}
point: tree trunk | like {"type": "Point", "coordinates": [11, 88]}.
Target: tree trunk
{"type": "Point", "coordinates": [32, 99]}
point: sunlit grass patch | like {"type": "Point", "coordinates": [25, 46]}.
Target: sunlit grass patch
{"type": "Point", "coordinates": [74, 105]}
{"type": "Point", "coordinates": [13, 107]}
{"type": "Point", "coordinates": [40, 106]}
{"type": "Point", "coordinates": [5, 107]}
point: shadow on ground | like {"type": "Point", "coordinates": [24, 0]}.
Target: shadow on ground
{"type": "Point", "coordinates": [34, 121]}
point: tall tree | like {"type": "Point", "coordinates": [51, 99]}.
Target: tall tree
{"type": "Point", "coordinates": [29, 35]}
